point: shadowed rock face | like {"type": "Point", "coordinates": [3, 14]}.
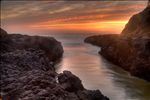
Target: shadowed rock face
{"type": "Point", "coordinates": [27, 71]}
{"type": "Point", "coordinates": [70, 82]}
{"type": "Point", "coordinates": [49, 45]}
{"type": "Point", "coordinates": [138, 25]}
{"type": "Point", "coordinates": [3, 33]}
{"type": "Point", "coordinates": [131, 49]}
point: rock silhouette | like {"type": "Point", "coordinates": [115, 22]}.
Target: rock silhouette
{"type": "Point", "coordinates": [131, 49]}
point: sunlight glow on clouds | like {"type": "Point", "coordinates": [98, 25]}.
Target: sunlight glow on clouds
{"type": "Point", "coordinates": [94, 26]}
{"type": "Point", "coordinates": [68, 15]}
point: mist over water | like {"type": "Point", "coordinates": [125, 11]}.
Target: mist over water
{"type": "Point", "coordinates": [96, 72]}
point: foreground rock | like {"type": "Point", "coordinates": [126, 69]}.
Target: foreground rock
{"type": "Point", "coordinates": [27, 72]}
{"type": "Point", "coordinates": [131, 49]}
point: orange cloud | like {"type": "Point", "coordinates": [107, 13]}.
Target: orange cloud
{"type": "Point", "coordinates": [72, 15]}
{"type": "Point", "coordinates": [107, 26]}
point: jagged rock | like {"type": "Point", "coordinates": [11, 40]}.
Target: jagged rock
{"type": "Point", "coordinates": [131, 49]}
{"type": "Point", "coordinates": [138, 25]}
{"type": "Point", "coordinates": [28, 73]}
{"type": "Point", "coordinates": [26, 77]}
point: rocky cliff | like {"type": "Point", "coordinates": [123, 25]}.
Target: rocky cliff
{"type": "Point", "coordinates": [131, 49]}
{"type": "Point", "coordinates": [28, 73]}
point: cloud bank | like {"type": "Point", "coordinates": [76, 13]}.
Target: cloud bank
{"type": "Point", "coordinates": [67, 14]}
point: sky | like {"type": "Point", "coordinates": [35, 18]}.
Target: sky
{"type": "Point", "coordinates": [109, 16]}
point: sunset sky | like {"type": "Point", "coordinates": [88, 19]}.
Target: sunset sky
{"type": "Point", "coordinates": [93, 16]}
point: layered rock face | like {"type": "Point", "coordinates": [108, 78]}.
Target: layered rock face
{"type": "Point", "coordinates": [28, 73]}
{"type": "Point", "coordinates": [131, 49]}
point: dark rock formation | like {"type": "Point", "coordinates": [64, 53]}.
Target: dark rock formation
{"type": "Point", "coordinates": [138, 25]}
{"type": "Point", "coordinates": [70, 82]}
{"type": "Point", "coordinates": [49, 45]}
{"type": "Point", "coordinates": [27, 71]}
{"type": "Point", "coordinates": [3, 33]}
{"type": "Point", "coordinates": [131, 49]}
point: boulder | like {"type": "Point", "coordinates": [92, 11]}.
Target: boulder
{"type": "Point", "coordinates": [70, 82]}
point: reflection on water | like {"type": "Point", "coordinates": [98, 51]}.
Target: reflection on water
{"type": "Point", "coordinates": [97, 73]}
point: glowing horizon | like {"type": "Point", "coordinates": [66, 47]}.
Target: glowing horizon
{"type": "Point", "coordinates": [93, 26]}
{"type": "Point", "coordinates": [96, 16]}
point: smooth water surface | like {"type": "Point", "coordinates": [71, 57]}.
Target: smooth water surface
{"type": "Point", "coordinates": [95, 72]}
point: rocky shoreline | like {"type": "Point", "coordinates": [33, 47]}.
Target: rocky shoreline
{"type": "Point", "coordinates": [130, 49]}
{"type": "Point", "coordinates": [28, 73]}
